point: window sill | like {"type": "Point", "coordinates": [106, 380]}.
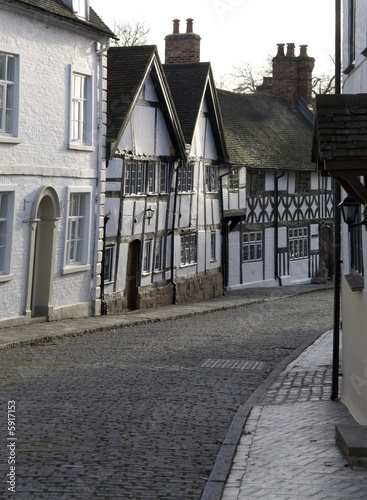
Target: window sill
{"type": "Point", "coordinates": [9, 140]}
{"type": "Point", "coordinates": [81, 147]}
{"type": "Point", "coordinates": [6, 277]}
{"type": "Point", "coordinates": [75, 269]}
{"type": "Point", "coordinates": [355, 281]}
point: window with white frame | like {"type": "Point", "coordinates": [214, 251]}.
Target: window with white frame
{"type": "Point", "coordinates": [8, 94]}
{"type": "Point", "coordinates": [185, 178]}
{"type": "Point", "coordinates": [158, 255]}
{"type": "Point", "coordinates": [77, 236]}
{"type": "Point", "coordinates": [298, 243]}
{"type": "Point", "coordinates": [302, 182]}
{"type": "Point", "coordinates": [213, 246]}
{"type": "Point", "coordinates": [188, 249]}
{"type": "Point", "coordinates": [135, 177]}
{"type": "Point", "coordinates": [81, 105]}
{"type": "Point", "coordinates": [211, 178]}
{"type": "Point", "coordinates": [233, 179]}
{"type": "Point", "coordinates": [147, 256]}
{"type": "Point", "coordinates": [164, 171]}
{"type": "Point", "coordinates": [6, 213]}
{"type": "Point", "coordinates": [252, 246]}
{"type": "Point", "coordinates": [107, 265]}
{"type": "Point", "coordinates": [152, 177]}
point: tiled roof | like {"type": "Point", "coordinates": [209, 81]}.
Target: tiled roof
{"type": "Point", "coordinates": [127, 67]}
{"type": "Point", "coordinates": [58, 8]}
{"type": "Point", "coordinates": [265, 132]}
{"type": "Point", "coordinates": [340, 127]}
{"type": "Point", "coordinates": [189, 83]}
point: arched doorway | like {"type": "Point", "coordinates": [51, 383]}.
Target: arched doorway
{"type": "Point", "coordinates": [132, 276]}
{"type": "Point", "coordinates": [44, 216]}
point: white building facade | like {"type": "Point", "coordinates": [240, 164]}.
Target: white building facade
{"type": "Point", "coordinates": [52, 87]}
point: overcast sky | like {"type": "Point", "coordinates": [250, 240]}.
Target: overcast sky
{"type": "Point", "coordinates": [234, 31]}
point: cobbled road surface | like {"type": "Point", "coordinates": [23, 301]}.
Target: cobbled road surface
{"type": "Point", "coordinates": [141, 412]}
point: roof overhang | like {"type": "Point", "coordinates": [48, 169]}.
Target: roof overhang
{"type": "Point", "coordinates": [340, 141]}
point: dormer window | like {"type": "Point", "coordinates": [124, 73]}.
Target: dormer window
{"type": "Point", "coordinates": [81, 8]}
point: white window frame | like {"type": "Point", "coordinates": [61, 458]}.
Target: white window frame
{"type": "Point", "coordinates": [135, 178]}
{"type": "Point", "coordinates": [213, 246]}
{"type": "Point", "coordinates": [8, 220]}
{"type": "Point", "coordinates": [12, 135]}
{"type": "Point", "coordinates": [158, 255]}
{"type": "Point", "coordinates": [70, 265]}
{"type": "Point", "coordinates": [109, 251]}
{"type": "Point", "coordinates": [147, 258]}
{"type": "Point", "coordinates": [84, 143]}
{"type": "Point", "coordinates": [211, 178]}
{"type": "Point", "coordinates": [252, 246]}
{"type": "Point", "coordinates": [188, 249]}
{"type": "Point", "coordinates": [298, 241]}
{"type": "Point", "coordinates": [186, 178]}
{"type": "Point", "coordinates": [164, 177]}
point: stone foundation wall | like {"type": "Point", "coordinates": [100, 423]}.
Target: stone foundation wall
{"type": "Point", "coordinates": [199, 287]}
{"type": "Point", "coordinates": [188, 289]}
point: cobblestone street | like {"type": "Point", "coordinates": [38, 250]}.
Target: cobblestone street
{"type": "Point", "coordinates": [141, 412]}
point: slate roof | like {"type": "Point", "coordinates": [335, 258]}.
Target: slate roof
{"type": "Point", "coordinates": [128, 68]}
{"type": "Point", "coordinates": [264, 131]}
{"type": "Point", "coordinates": [189, 83]}
{"type": "Point", "coordinates": [58, 8]}
{"type": "Point", "coordinates": [340, 131]}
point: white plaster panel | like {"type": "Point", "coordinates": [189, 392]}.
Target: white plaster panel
{"type": "Point", "coordinates": [144, 125]}
{"type": "Point", "coordinates": [112, 205]}
{"type": "Point", "coordinates": [282, 237]}
{"type": "Point", "coordinates": [210, 147]}
{"type": "Point", "coordinates": [150, 93]}
{"type": "Point", "coordinates": [126, 142]}
{"type": "Point", "coordinates": [114, 169]}
{"type": "Point", "coordinates": [163, 143]}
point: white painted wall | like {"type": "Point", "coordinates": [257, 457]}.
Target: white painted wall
{"type": "Point", "coordinates": [354, 304]}
{"type": "Point", "coordinates": [41, 156]}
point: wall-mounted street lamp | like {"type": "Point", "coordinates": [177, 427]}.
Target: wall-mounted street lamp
{"type": "Point", "coordinates": [349, 209]}
{"type": "Point", "coordinates": [149, 212]}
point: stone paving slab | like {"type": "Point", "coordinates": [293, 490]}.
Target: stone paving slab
{"type": "Point", "coordinates": [288, 449]}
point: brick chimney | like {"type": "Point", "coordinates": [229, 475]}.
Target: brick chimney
{"type": "Point", "coordinates": [292, 76]}
{"type": "Point", "coordinates": [182, 47]}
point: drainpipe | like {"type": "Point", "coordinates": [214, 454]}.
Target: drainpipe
{"type": "Point", "coordinates": [174, 286]}
{"type": "Point", "coordinates": [104, 303]}
{"type": "Point", "coordinates": [337, 222]}
{"type": "Point", "coordinates": [276, 227]}
{"type": "Point", "coordinates": [224, 234]}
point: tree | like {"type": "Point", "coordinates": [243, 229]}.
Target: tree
{"type": "Point", "coordinates": [246, 78]}
{"type": "Point", "coordinates": [130, 33]}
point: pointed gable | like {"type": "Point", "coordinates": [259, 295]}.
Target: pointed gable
{"type": "Point", "coordinates": [192, 86]}
{"type": "Point", "coordinates": [135, 75]}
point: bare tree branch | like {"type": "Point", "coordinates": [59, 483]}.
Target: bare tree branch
{"type": "Point", "coordinates": [130, 33]}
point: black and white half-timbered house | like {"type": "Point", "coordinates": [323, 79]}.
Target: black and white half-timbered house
{"type": "Point", "coordinates": [286, 235]}
{"type": "Point", "coordinates": [200, 203]}
{"type": "Point", "coordinates": [147, 148]}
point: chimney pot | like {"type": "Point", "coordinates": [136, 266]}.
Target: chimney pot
{"type": "Point", "coordinates": [290, 49]}
{"type": "Point", "coordinates": [303, 50]}
{"type": "Point", "coordinates": [189, 25]}
{"type": "Point", "coordinates": [176, 26]}
{"type": "Point", "coordinates": [280, 52]}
